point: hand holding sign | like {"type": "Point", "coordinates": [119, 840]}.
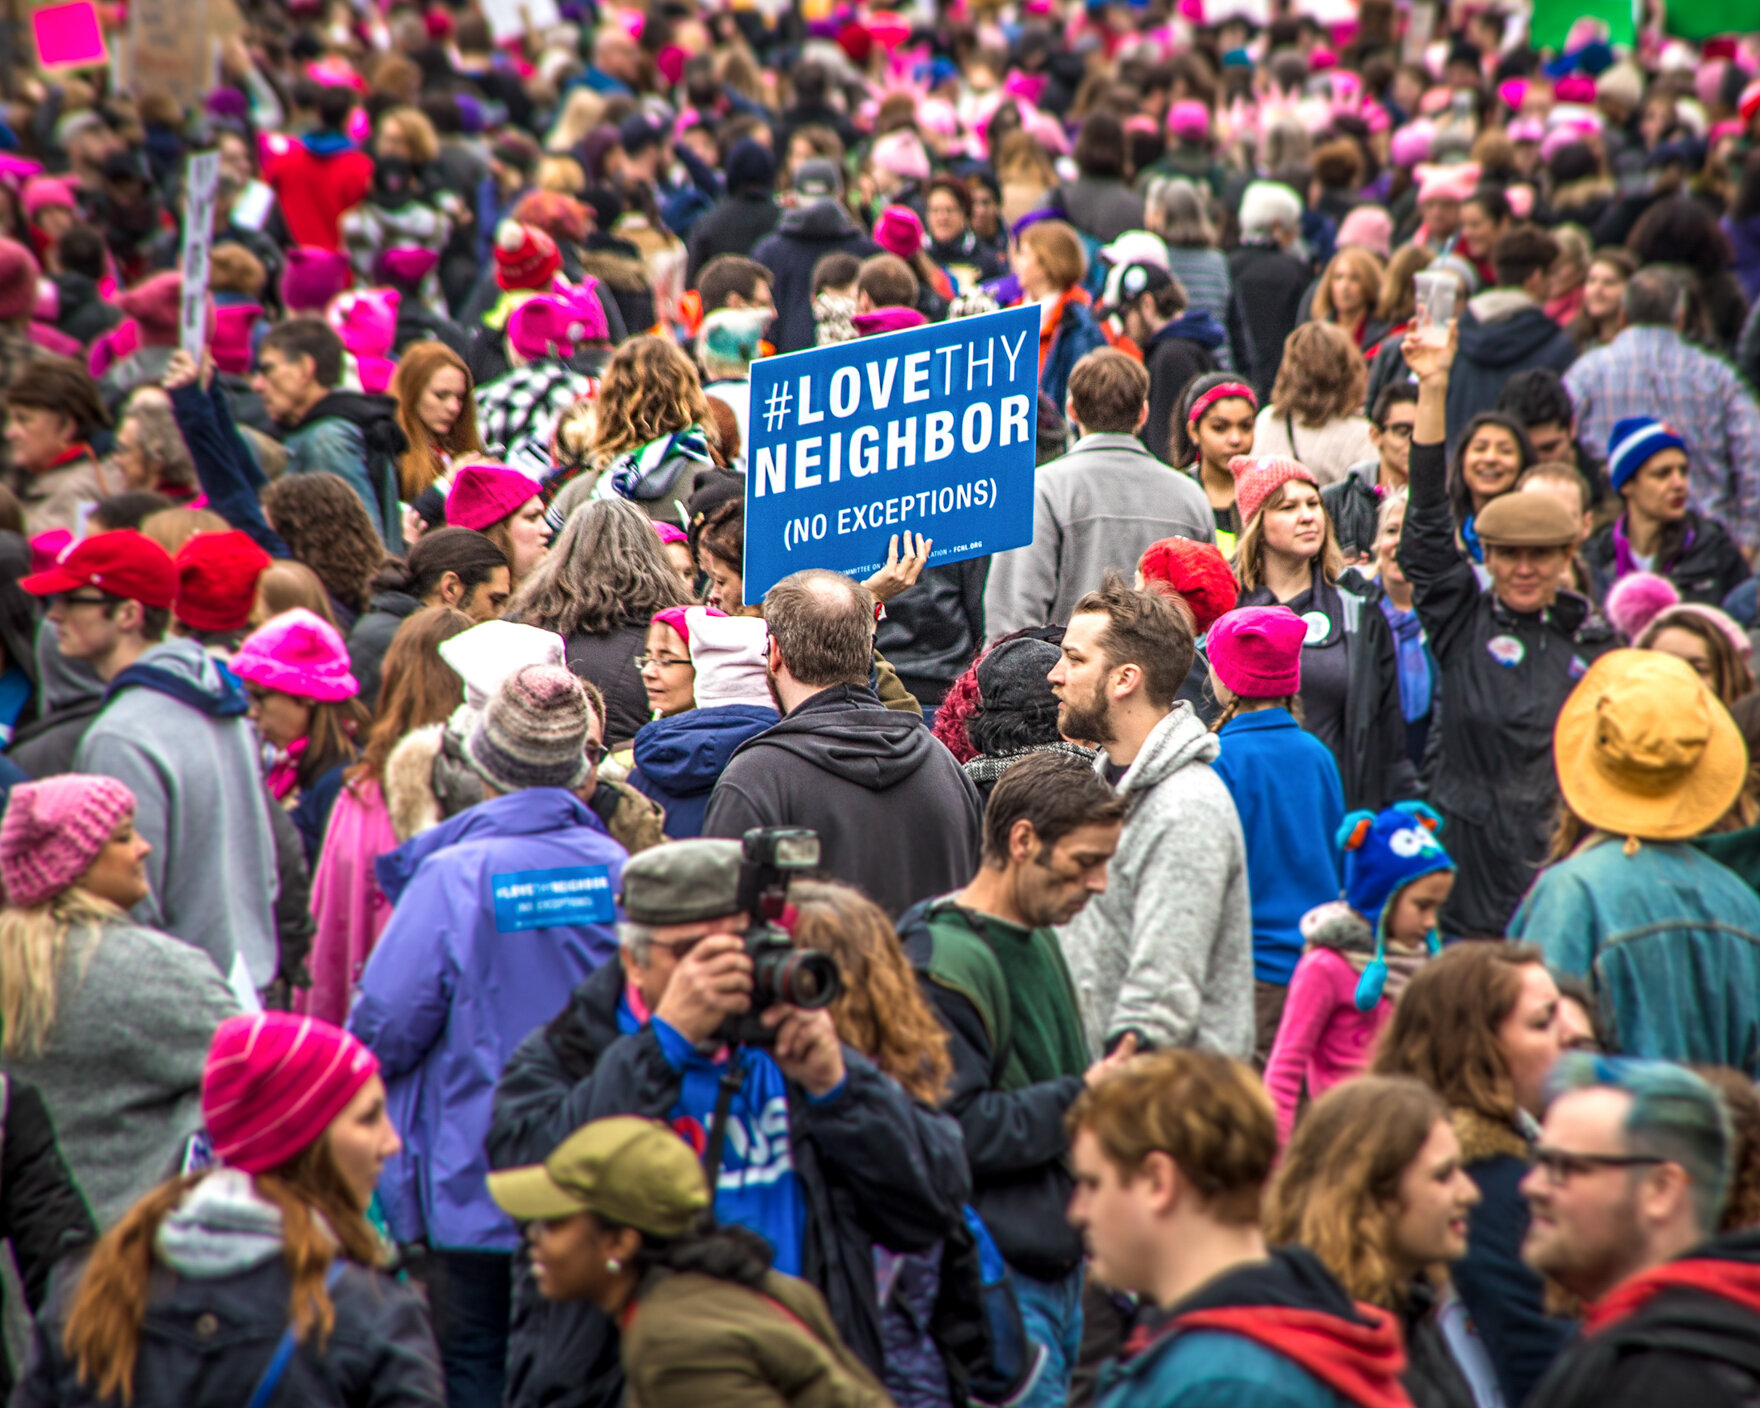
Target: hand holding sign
{"type": "Point", "coordinates": [900, 574]}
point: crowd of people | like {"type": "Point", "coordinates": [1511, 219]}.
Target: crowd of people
{"type": "Point", "coordinates": [1288, 936]}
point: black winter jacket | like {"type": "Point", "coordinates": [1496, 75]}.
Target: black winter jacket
{"type": "Point", "coordinates": [206, 1343]}
{"type": "Point", "coordinates": [1433, 1377]}
{"type": "Point", "coordinates": [850, 768]}
{"type": "Point", "coordinates": [608, 661]}
{"type": "Point", "coordinates": [1494, 779]}
{"type": "Point", "coordinates": [372, 636]}
{"type": "Point", "coordinates": [874, 1168]}
{"type": "Point", "coordinates": [1707, 569]}
{"type": "Point", "coordinates": [1268, 286]}
{"type": "Point", "coordinates": [1697, 1345]}
{"type": "Point", "coordinates": [1372, 760]}
{"type": "Point", "coordinates": [790, 251]}
{"type": "Point", "coordinates": [1493, 351]}
{"type": "Point", "coordinates": [1354, 508]}
{"type": "Point", "coordinates": [733, 225]}
{"type": "Point", "coordinates": [1172, 360]}
{"type": "Point", "coordinates": [932, 630]}
{"type": "Point", "coordinates": [1015, 1140]}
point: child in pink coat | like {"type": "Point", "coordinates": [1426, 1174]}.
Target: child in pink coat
{"type": "Point", "coordinates": [1360, 953]}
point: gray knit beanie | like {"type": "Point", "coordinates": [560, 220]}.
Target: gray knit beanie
{"type": "Point", "coordinates": [534, 731]}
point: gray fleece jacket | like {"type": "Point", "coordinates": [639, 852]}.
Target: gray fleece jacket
{"type": "Point", "coordinates": [122, 1071]}
{"type": "Point", "coordinates": [1097, 507]}
{"type": "Point", "coordinates": [174, 729]}
{"type": "Point", "coordinates": [1167, 950]}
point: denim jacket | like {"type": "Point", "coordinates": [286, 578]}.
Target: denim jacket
{"type": "Point", "coordinates": [1668, 939]}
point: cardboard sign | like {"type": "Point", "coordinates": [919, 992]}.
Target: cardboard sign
{"type": "Point", "coordinates": [551, 899]}
{"type": "Point", "coordinates": [199, 181]}
{"type": "Point", "coordinates": [930, 430]}
{"type": "Point", "coordinates": [69, 36]}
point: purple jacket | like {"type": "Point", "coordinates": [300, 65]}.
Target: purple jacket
{"type": "Point", "coordinates": [500, 912]}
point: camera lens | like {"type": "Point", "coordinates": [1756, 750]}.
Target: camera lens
{"type": "Point", "coordinates": [807, 978]}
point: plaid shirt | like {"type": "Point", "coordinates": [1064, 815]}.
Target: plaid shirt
{"type": "Point", "coordinates": [525, 404]}
{"type": "Point", "coordinates": [1654, 371]}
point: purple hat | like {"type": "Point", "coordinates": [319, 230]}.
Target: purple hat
{"type": "Point", "coordinates": [54, 830]}
{"type": "Point", "coordinates": [297, 653]}
{"type": "Point", "coordinates": [1256, 651]}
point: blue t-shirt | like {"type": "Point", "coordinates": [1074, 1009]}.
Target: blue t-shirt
{"type": "Point", "coordinates": [758, 1187]}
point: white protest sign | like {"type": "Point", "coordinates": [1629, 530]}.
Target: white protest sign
{"type": "Point", "coordinates": [199, 183]}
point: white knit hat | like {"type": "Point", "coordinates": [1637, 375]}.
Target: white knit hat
{"type": "Point", "coordinates": [487, 654]}
{"type": "Point", "coordinates": [729, 652]}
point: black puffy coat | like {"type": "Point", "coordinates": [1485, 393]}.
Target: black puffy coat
{"type": "Point", "coordinates": [1494, 779]}
{"type": "Point", "coordinates": [874, 1169]}
{"type": "Point", "coordinates": [608, 660]}
{"type": "Point", "coordinates": [1707, 569]}
{"type": "Point", "coordinates": [1262, 312]}
{"type": "Point", "coordinates": [733, 225]}
{"type": "Point", "coordinates": [932, 630]}
{"type": "Point", "coordinates": [789, 252]}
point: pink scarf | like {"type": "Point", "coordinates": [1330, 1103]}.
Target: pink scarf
{"type": "Point", "coordinates": [284, 771]}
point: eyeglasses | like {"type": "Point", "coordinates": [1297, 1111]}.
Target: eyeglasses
{"type": "Point", "coordinates": [1399, 429]}
{"type": "Point", "coordinates": [661, 661]}
{"type": "Point", "coordinates": [1562, 1167]}
{"type": "Point", "coordinates": [594, 750]}
{"type": "Point", "coordinates": [70, 599]}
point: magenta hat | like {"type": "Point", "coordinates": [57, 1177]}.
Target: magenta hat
{"type": "Point", "coordinates": [274, 1082]}
{"type": "Point", "coordinates": [19, 273]}
{"type": "Point", "coordinates": [675, 617]}
{"type": "Point", "coordinates": [54, 830]}
{"type": "Point", "coordinates": [298, 653]}
{"type": "Point", "coordinates": [898, 231]}
{"type": "Point", "coordinates": [1188, 121]}
{"type": "Point", "coordinates": [312, 278]}
{"type": "Point", "coordinates": [1256, 651]}
{"type": "Point", "coordinates": [670, 533]}
{"type": "Point", "coordinates": [41, 192]}
{"type": "Point", "coordinates": [484, 494]}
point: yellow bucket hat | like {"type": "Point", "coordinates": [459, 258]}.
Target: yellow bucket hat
{"type": "Point", "coordinates": [1644, 749]}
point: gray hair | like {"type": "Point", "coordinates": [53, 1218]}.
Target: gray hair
{"type": "Point", "coordinates": [1267, 204]}
{"type": "Point", "coordinates": [638, 939]}
{"type": "Point", "coordinates": [605, 569]}
{"type": "Point", "coordinates": [1655, 297]}
{"type": "Point", "coordinates": [161, 441]}
{"type": "Point", "coordinates": [1175, 211]}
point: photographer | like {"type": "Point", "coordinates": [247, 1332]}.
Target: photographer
{"type": "Point", "coordinates": [825, 1158]}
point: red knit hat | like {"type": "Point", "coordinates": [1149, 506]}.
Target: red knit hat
{"type": "Point", "coordinates": [486, 493]}
{"type": "Point", "coordinates": [274, 1082]}
{"type": "Point", "coordinates": [525, 257]}
{"type": "Point", "coordinates": [1197, 572]}
{"type": "Point", "coordinates": [1257, 651]}
{"type": "Point", "coordinates": [1256, 476]}
{"type": "Point", "coordinates": [217, 580]}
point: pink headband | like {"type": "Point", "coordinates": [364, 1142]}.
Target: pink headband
{"type": "Point", "coordinates": [1229, 390]}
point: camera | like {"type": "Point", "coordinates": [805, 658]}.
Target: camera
{"type": "Point", "coordinates": [781, 973]}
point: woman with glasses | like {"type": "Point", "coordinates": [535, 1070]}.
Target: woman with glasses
{"type": "Point", "coordinates": [1373, 1184]}
{"type": "Point", "coordinates": [306, 706]}
{"type": "Point", "coordinates": [705, 677]}
{"type": "Point", "coordinates": [1480, 1027]}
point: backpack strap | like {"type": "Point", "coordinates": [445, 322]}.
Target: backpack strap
{"type": "Point", "coordinates": [283, 1355]}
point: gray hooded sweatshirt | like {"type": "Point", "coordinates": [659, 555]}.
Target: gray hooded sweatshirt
{"type": "Point", "coordinates": [1167, 950]}
{"type": "Point", "coordinates": [174, 729]}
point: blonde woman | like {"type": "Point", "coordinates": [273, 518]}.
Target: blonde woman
{"type": "Point", "coordinates": [110, 1020]}
{"type": "Point", "coordinates": [1347, 295]}
{"type": "Point", "coordinates": [1315, 414]}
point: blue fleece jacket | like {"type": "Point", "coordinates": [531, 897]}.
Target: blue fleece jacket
{"type": "Point", "coordinates": [678, 759]}
{"type": "Point", "coordinates": [499, 912]}
{"type": "Point", "coordinates": [1287, 791]}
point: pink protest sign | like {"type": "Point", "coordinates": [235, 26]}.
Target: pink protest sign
{"type": "Point", "coordinates": [69, 36]}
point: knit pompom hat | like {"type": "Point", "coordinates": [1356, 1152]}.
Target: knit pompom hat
{"type": "Point", "coordinates": [297, 653]}
{"type": "Point", "coordinates": [1197, 572]}
{"type": "Point", "coordinates": [1257, 476]}
{"type": "Point", "coordinates": [534, 732]}
{"type": "Point", "coordinates": [484, 494]}
{"type": "Point", "coordinates": [1383, 853]}
{"type": "Point", "coordinates": [274, 1082]}
{"type": "Point", "coordinates": [1256, 651]}
{"type": "Point", "coordinates": [53, 831]}
{"type": "Point", "coordinates": [1633, 441]}
{"type": "Point", "coordinates": [525, 257]}
{"type": "Point", "coordinates": [1637, 599]}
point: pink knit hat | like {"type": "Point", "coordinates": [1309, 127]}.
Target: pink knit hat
{"type": "Point", "coordinates": [54, 830]}
{"type": "Point", "coordinates": [675, 617]}
{"type": "Point", "coordinates": [41, 192]}
{"type": "Point", "coordinates": [312, 278]}
{"type": "Point", "coordinates": [1256, 651]}
{"type": "Point", "coordinates": [555, 324]}
{"type": "Point", "coordinates": [901, 154]}
{"type": "Point", "coordinates": [231, 342]}
{"type": "Point", "coordinates": [1368, 227]}
{"type": "Point", "coordinates": [156, 305]}
{"type": "Point", "coordinates": [898, 231]}
{"type": "Point", "coordinates": [273, 1084]}
{"type": "Point", "coordinates": [483, 494]}
{"type": "Point", "coordinates": [1256, 476]}
{"type": "Point", "coordinates": [1637, 599]}
{"type": "Point", "coordinates": [298, 653]}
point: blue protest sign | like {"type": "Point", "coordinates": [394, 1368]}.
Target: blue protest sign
{"type": "Point", "coordinates": [550, 899]}
{"type": "Point", "coordinates": [930, 430]}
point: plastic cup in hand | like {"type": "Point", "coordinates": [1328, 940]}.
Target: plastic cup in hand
{"type": "Point", "coordinates": [1435, 296]}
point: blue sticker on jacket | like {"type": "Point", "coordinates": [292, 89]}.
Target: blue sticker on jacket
{"type": "Point", "coordinates": [549, 899]}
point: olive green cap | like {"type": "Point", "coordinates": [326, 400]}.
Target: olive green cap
{"type": "Point", "coordinates": [630, 1170]}
{"type": "Point", "coordinates": [684, 882]}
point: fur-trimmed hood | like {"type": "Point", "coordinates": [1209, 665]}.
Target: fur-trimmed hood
{"type": "Point", "coordinates": [1483, 1137]}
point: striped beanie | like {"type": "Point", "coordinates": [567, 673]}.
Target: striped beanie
{"type": "Point", "coordinates": [1633, 441]}
{"type": "Point", "coordinates": [273, 1084]}
{"type": "Point", "coordinates": [54, 830]}
{"type": "Point", "coordinates": [534, 732]}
